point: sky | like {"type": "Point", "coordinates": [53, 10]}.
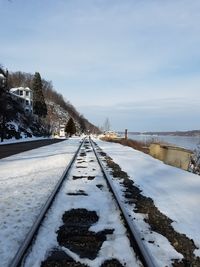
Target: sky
{"type": "Point", "coordinates": [136, 62]}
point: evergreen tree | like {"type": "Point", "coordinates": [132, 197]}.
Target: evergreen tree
{"type": "Point", "coordinates": [39, 105]}
{"type": "Point", "coordinates": [82, 124]}
{"type": "Point", "coordinates": [70, 127]}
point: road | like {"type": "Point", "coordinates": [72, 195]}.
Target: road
{"type": "Point", "coordinates": [11, 149]}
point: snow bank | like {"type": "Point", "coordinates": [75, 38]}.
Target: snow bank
{"type": "Point", "coordinates": [26, 180]}
{"type": "Point", "coordinates": [175, 192]}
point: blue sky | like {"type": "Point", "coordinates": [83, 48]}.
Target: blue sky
{"type": "Point", "coordinates": [135, 62]}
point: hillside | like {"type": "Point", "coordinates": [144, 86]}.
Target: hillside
{"type": "Point", "coordinates": [56, 116]}
{"type": "Point", "coordinates": [59, 111]}
{"type": "Point", "coordinates": [16, 123]}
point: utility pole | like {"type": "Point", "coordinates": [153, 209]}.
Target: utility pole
{"type": "Point", "coordinates": [126, 134]}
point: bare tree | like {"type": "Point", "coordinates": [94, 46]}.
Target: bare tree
{"type": "Point", "coordinates": [195, 161]}
{"type": "Point", "coordinates": [106, 125]}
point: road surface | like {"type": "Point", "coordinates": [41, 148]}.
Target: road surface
{"type": "Point", "coordinates": [11, 149]}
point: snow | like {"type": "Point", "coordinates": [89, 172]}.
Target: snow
{"type": "Point", "coordinates": [175, 192]}
{"type": "Point", "coordinates": [26, 180]}
{"type": "Point", "coordinates": [116, 246]}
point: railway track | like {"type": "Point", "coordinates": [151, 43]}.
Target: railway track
{"type": "Point", "coordinates": [83, 223]}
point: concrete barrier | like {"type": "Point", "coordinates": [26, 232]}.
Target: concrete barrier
{"type": "Point", "coordinates": [171, 155]}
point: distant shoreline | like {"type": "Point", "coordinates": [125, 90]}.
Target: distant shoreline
{"type": "Point", "coordinates": [176, 133]}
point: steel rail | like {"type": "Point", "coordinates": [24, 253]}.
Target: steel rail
{"type": "Point", "coordinates": [144, 253]}
{"type": "Point", "coordinates": [17, 260]}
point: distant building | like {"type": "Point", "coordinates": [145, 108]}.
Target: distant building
{"type": "Point", "coordinates": [110, 134]}
{"type": "Point", "coordinates": [24, 96]}
{"type": "Point", "coordinates": [62, 130]}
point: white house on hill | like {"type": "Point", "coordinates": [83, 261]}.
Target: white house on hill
{"type": "Point", "coordinates": [24, 95]}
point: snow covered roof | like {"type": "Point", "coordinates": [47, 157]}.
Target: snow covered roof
{"type": "Point", "coordinates": [21, 88]}
{"type": "Point", "coordinates": [18, 96]}
{"type": "Point", "coordinates": [1, 75]}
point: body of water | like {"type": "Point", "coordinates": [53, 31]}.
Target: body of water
{"type": "Point", "coordinates": [188, 142]}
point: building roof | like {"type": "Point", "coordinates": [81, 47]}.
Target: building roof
{"type": "Point", "coordinates": [21, 88]}
{"type": "Point", "coordinates": [18, 96]}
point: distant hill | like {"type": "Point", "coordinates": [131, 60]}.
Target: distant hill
{"type": "Point", "coordinates": [176, 133]}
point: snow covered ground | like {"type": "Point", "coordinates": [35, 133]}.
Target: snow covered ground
{"type": "Point", "coordinates": [100, 200]}
{"type": "Point", "coordinates": [26, 180]}
{"type": "Point", "coordinates": [175, 192]}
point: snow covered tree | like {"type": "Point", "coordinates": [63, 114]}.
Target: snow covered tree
{"type": "Point", "coordinates": [70, 127]}
{"type": "Point", "coordinates": [39, 105]}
